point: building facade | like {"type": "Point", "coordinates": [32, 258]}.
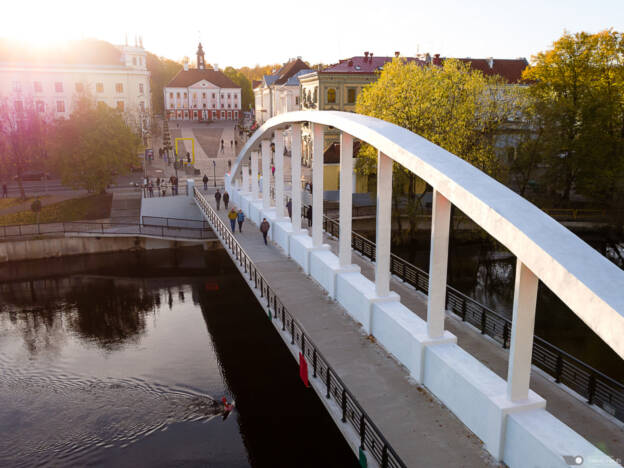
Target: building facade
{"type": "Point", "coordinates": [202, 94]}
{"type": "Point", "coordinates": [113, 75]}
{"type": "Point", "coordinates": [280, 92]}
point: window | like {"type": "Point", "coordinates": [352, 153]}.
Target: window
{"type": "Point", "coordinates": [194, 97]}
{"type": "Point", "coordinates": [79, 87]}
{"type": "Point", "coordinates": [184, 95]}
{"type": "Point", "coordinates": [228, 95]}
{"type": "Point", "coordinates": [331, 95]}
{"type": "Point", "coordinates": [229, 106]}
{"type": "Point", "coordinates": [40, 106]}
{"type": "Point", "coordinates": [119, 87]}
{"type": "Point", "coordinates": [315, 98]}
{"type": "Point", "coordinates": [203, 95]}
{"type": "Point", "coordinates": [142, 106]}
{"type": "Point", "coordinates": [213, 95]}
{"type": "Point", "coordinates": [351, 95]}
{"type": "Point", "coordinates": [235, 97]}
{"type": "Point", "coordinates": [171, 105]}
{"type": "Point", "coordinates": [19, 106]}
{"type": "Point", "coordinates": [222, 106]}
{"type": "Point", "coordinates": [195, 115]}
{"type": "Point", "coordinates": [60, 106]}
{"type": "Point", "coordinates": [141, 89]}
{"type": "Point", "coordinates": [99, 87]}
{"type": "Point", "coordinates": [120, 106]}
{"type": "Point", "coordinates": [58, 87]}
{"type": "Point", "coordinates": [178, 95]}
{"type": "Point", "coordinates": [296, 100]}
{"type": "Point", "coordinates": [170, 95]}
{"type": "Point", "coordinates": [134, 61]}
{"type": "Point", "coordinates": [222, 115]}
{"type": "Point", "coordinates": [204, 105]}
{"type": "Point", "coordinates": [38, 87]}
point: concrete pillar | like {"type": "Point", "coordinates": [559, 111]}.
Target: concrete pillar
{"type": "Point", "coordinates": [523, 323]}
{"type": "Point", "coordinates": [254, 175]}
{"type": "Point", "coordinates": [266, 174]}
{"type": "Point", "coordinates": [384, 224]}
{"type": "Point", "coordinates": [317, 185]}
{"type": "Point", "coordinates": [346, 198]}
{"type": "Point", "coordinates": [245, 172]}
{"type": "Point", "coordinates": [190, 186]}
{"type": "Point", "coordinates": [295, 166]}
{"type": "Point", "coordinates": [438, 262]}
{"type": "Point", "coordinates": [279, 174]}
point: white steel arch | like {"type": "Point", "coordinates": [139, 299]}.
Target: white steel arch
{"type": "Point", "coordinates": [587, 282]}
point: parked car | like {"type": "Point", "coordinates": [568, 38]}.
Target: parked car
{"type": "Point", "coordinates": [33, 176]}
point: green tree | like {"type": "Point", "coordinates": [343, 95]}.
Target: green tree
{"type": "Point", "coordinates": [161, 71]}
{"type": "Point", "coordinates": [578, 93]}
{"type": "Point", "coordinates": [247, 96]}
{"type": "Point", "coordinates": [93, 145]}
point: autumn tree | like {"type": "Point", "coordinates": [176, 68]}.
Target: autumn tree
{"type": "Point", "coordinates": [578, 93]}
{"type": "Point", "coordinates": [161, 71]}
{"type": "Point", "coordinates": [247, 96]}
{"type": "Point", "coordinates": [23, 137]}
{"type": "Point", "coordinates": [93, 145]}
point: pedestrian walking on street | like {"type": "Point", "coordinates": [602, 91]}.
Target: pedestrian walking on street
{"type": "Point", "coordinates": [222, 145]}
{"type": "Point", "coordinates": [205, 181]}
{"type": "Point", "coordinates": [218, 198]}
{"type": "Point", "coordinates": [5, 191]}
{"type": "Point", "coordinates": [309, 213]}
{"type": "Point", "coordinates": [158, 183]}
{"type": "Point", "coordinates": [226, 199]}
{"type": "Point", "coordinates": [289, 208]}
{"type": "Point", "coordinates": [240, 218]}
{"type": "Point", "coordinates": [264, 229]}
{"type": "Point", "coordinates": [232, 216]}
{"type": "Point", "coordinates": [188, 157]}
{"type": "Point", "coordinates": [273, 170]}
{"type": "Point", "coordinates": [150, 187]}
{"type": "Point", "coordinates": [231, 144]}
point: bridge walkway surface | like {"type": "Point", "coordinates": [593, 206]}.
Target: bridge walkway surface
{"type": "Point", "coordinates": [420, 428]}
{"type": "Point", "coordinates": [600, 429]}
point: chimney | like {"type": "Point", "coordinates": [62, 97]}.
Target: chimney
{"type": "Point", "coordinates": [370, 58]}
{"type": "Point", "coordinates": [437, 60]}
{"type": "Point", "coordinates": [428, 58]}
{"type": "Point", "coordinates": [490, 61]}
{"type": "Point", "coordinates": [397, 53]}
{"type": "Point", "coordinates": [350, 63]}
{"type": "Point", "coordinates": [365, 55]}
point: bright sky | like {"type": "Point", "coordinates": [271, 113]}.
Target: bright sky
{"type": "Point", "coordinates": [245, 32]}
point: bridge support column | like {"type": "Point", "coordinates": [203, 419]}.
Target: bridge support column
{"type": "Point", "coordinates": [266, 174]}
{"type": "Point", "coordinates": [295, 167]}
{"type": "Point", "coordinates": [279, 174]}
{"type": "Point", "coordinates": [254, 175]}
{"type": "Point", "coordinates": [438, 262]}
{"type": "Point", "coordinates": [384, 224]}
{"type": "Point", "coordinates": [317, 185]}
{"type": "Point", "coordinates": [346, 198]}
{"type": "Point", "coordinates": [523, 324]}
{"type": "Point", "coordinates": [245, 172]}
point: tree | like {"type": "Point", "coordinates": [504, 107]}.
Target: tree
{"type": "Point", "coordinates": [247, 96]}
{"type": "Point", "coordinates": [578, 93]}
{"type": "Point", "coordinates": [93, 145]}
{"type": "Point", "coordinates": [452, 106]}
{"type": "Point", "coordinates": [161, 71]}
{"type": "Point", "coordinates": [23, 133]}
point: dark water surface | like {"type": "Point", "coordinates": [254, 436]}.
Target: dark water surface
{"type": "Point", "coordinates": [121, 360]}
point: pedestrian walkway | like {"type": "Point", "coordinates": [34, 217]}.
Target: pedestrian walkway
{"type": "Point", "coordinates": [422, 430]}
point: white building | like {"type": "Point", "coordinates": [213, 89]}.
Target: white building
{"type": "Point", "coordinates": [114, 75]}
{"type": "Point", "coordinates": [202, 94]}
{"type": "Point", "coordinates": [279, 92]}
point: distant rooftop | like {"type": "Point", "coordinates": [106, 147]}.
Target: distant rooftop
{"type": "Point", "coordinates": [368, 63]}
{"type": "Point", "coordinates": [508, 69]}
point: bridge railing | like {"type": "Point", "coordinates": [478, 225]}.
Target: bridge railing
{"type": "Point", "coordinates": [598, 388]}
{"type": "Point", "coordinates": [371, 438]}
{"type": "Point", "coordinates": [19, 231]}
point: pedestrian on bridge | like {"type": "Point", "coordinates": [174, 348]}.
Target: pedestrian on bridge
{"type": "Point", "coordinates": [226, 199]}
{"type": "Point", "coordinates": [289, 208]}
{"type": "Point", "coordinates": [205, 181]}
{"type": "Point", "coordinates": [241, 218]}
{"type": "Point", "coordinates": [264, 229]}
{"type": "Point", "coordinates": [218, 198]}
{"type": "Point", "coordinates": [5, 191]}
{"type": "Point", "coordinates": [233, 216]}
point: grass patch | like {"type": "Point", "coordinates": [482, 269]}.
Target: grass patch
{"type": "Point", "coordinates": [75, 209]}
{"type": "Point", "coordinates": [9, 202]}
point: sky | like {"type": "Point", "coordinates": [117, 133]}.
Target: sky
{"type": "Point", "coordinates": [243, 32]}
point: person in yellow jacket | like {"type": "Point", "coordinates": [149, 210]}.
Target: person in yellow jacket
{"type": "Point", "coordinates": [232, 215]}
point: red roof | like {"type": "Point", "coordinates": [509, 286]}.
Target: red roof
{"type": "Point", "coordinates": [508, 69]}
{"type": "Point", "coordinates": [255, 83]}
{"type": "Point", "coordinates": [362, 64]}
{"type": "Point", "coordinates": [332, 153]}
{"type": "Point", "coordinates": [186, 78]}
{"type": "Point", "coordinates": [290, 69]}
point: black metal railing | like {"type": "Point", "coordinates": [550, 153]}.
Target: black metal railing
{"type": "Point", "coordinates": [164, 190]}
{"type": "Point", "coordinates": [18, 231]}
{"type": "Point", "coordinates": [596, 387]}
{"type": "Point", "coordinates": [174, 222]}
{"type": "Point", "coordinates": [371, 438]}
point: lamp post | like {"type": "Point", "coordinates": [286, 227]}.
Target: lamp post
{"type": "Point", "coordinates": [214, 172]}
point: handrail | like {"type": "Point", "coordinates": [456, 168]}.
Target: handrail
{"type": "Point", "coordinates": [371, 438]}
{"type": "Point", "coordinates": [104, 228]}
{"type": "Point", "coordinates": [583, 279]}
{"type": "Point", "coordinates": [598, 388]}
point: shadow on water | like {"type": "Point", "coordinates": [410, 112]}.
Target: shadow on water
{"type": "Point", "coordinates": [121, 359]}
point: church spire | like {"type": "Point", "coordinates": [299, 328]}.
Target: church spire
{"type": "Point", "coordinates": [201, 64]}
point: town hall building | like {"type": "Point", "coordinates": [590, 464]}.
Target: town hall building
{"type": "Point", "coordinates": [202, 94]}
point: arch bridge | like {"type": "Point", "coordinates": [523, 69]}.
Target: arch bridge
{"type": "Point", "coordinates": [506, 415]}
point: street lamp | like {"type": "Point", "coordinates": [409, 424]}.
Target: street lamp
{"type": "Point", "coordinates": [214, 171]}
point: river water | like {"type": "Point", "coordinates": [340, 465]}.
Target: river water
{"type": "Point", "coordinates": [122, 359]}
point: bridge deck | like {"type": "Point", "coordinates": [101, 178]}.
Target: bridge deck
{"type": "Point", "coordinates": [585, 420]}
{"type": "Point", "coordinates": [421, 429]}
